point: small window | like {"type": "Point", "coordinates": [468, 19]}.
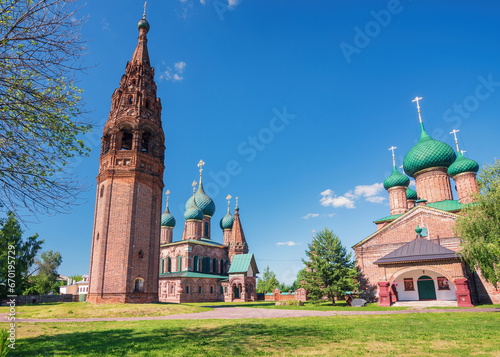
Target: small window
{"type": "Point", "coordinates": [130, 100]}
{"type": "Point", "coordinates": [126, 139]}
{"type": "Point", "coordinates": [147, 103]}
{"type": "Point", "coordinates": [146, 138]}
{"type": "Point", "coordinates": [171, 289]}
{"type": "Point", "coordinates": [205, 229]}
{"type": "Point", "coordinates": [140, 255]}
{"type": "Point", "coordinates": [211, 290]}
{"type": "Point", "coordinates": [105, 144]}
{"type": "Point", "coordinates": [187, 289]}
{"type": "Point", "coordinates": [102, 191]}
{"type": "Point", "coordinates": [97, 237]}
{"type": "Point", "coordinates": [221, 290]}
{"type": "Point", "coordinates": [139, 285]}
{"type": "Point", "coordinates": [200, 289]}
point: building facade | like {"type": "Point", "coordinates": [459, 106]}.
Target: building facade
{"type": "Point", "coordinates": [415, 254]}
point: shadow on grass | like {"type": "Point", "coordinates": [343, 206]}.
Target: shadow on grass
{"type": "Point", "coordinates": [230, 339]}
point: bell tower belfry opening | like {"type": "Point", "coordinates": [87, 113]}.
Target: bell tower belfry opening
{"type": "Point", "coordinates": [124, 262]}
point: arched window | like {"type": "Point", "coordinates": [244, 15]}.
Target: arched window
{"type": "Point", "coordinates": [200, 289]}
{"type": "Point", "coordinates": [146, 139]}
{"type": "Point", "coordinates": [214, 265]}
{"type": "Point", "coordinates": [101, 193]}
{"type": "Point", "coordinates": [196, 263]}
{"type": "Point", "coordinates": [169, 265]}
{"type": "Point", "coordinates": [179, 263]}
{"type": "Point", "coordinates": [140, 255]}
{"type": "Point", "coordinates": [172, 289]}
{"type": "Point", "coordinates": [126, 139]}
{"type": "Point", "coordinates": [221, 267]}
{"type": "Point", "coordinates": [139, 285]}
{"type": "Point", "coordinates": [211, 290]}
{"type": "Point", "coordinates": [147, 104]}
{"type": "Point", "coordinates": [206, 265]}
{"type": "Point", "coordinates": [205, 229]}
{"type": "Point", "coordinates": [187, 289]}
{"type": "Point", "coordinates": [105, 144]}
{"type": "Point", "coordinates": [130, 100]}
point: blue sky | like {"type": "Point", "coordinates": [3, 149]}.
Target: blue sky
{"type": "Point", "coordinates": [293, 106]}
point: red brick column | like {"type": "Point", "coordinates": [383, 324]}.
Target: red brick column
{"type": "Point", "coordinates": [463, 293]}
{"type": "Point", "coordinates": [384, 295]}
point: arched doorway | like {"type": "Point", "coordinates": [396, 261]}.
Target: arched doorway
{"type": "Point", "coordinates": [236, 292]}
{"type": "Point", "coordinates": [426, 288]}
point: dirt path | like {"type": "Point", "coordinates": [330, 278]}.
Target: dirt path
{"type": "Point", "coordinates": [222, 312]}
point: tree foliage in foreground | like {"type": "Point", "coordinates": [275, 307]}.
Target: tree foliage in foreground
{"type": "Point", "coordinates": [330, 270]}
{"type": "Point", "coordinates": [40, 107]}
{"type": "Point", "coordinates": [479, 226]}
{"type": "Point", "coordinates": [46, 279]}
{"type": "Point", "coordinates": [24, 257]}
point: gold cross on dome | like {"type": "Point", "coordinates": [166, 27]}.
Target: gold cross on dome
{"type": "Point", "coordinates": [144, 15]}
{"type": "Point", "coordinates": [228, 198]}
{"type": "Point", "coordinates": [392, 148]}
{"type": "Point", "coordinates": [418, 107]}
{"type": "Point", "coordinates": [200, 165]}
{"type": "Point", "coordinates": [167, 193]}
{"type": "Point", "coordinates": [237, 201]}
{"type": "Point", "coordinates": [454, 132]}
{"type": "Point", "coordinates": [194, 185]}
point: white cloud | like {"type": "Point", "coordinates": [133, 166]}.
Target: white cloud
{"type": "Point", "coordinates": [289, 243]}
{"type": "Point", "coordinates": [167, 73]}
{"type": "Point", "coordinates": [315, 215]}
{"type": "Point", "coordinates": [413, 184]}
{"type": "Point", "coordinates": [232, 3]}
{"type": "Point", "coordinates": [311, 215]}
{"type": "Point", "coordinates": [104, 24]}
{"type": "Point", "coordinates": [376, 199]}
{"type": "Point", "coordinates": [368, 190]}
{"type": "Point", "coordinates": [370, 193]}
{"type": "Point", "coordinates": [179, 66]}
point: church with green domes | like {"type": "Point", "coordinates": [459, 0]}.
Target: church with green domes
{"type": "Point", "coordinates": [197, 268]}
{"type": "Point", "coordinates": [414, 253]}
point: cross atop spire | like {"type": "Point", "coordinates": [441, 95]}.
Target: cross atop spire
{"type": "Point", "coordinates": [418, 107]}
{"type": "Point", "coordinates": [144, 15]}
{"type": "Point", "coordinates": [194, 186]}
{"type": "Point", "coordinates": [392, 148]}
{"type": "Point", "coordinates": [228, 198]}
{"type": "Point", "coordinates": [454, 132]}
{"type": "Point", "coordinates": [200, 166]}
{"type": "Point", "coordinates": [237, 204]}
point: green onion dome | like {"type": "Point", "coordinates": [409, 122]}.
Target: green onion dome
{"type": "Point", "coordinates": [143, 24]}
{"type": "Point", "coordinates": [167, 220]}
{"type": "Point", "coordinates": [193, 212]}
{"type": "Point", "coordinates": [411, 194]}
{"type": "Point", "coordinates": [428, 153]}
{"type": "Point", "coordinates": [205, 203]}
{"type": "Point", "coordinates": [396, 179]}
{"type": "Point", "coordinates": [227, 221]}
{"type": "Point", "coordinates": [461, 165]}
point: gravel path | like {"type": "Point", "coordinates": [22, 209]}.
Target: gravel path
{"type": "Point", "coordinates": [222, 312]}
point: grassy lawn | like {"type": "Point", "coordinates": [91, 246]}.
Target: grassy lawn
{"type": "Point", "coordinates": [82, 310]}
{"type": "Point", "coordinates": [444, 334]}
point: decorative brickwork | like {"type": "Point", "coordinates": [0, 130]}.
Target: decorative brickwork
{"type": "Point", "coordinates": [126, 236]}
{"type": "Point", "coordinates": [433, 184]}
{"type": "Point", "coordinates": [397, 200]}
{"type": "Point", "coordinates": [466, 185]}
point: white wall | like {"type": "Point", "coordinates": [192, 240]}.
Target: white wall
{"type": "Point", "coordinates": [447, 295]}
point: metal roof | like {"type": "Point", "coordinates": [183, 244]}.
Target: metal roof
{"type": "Point", "coordinates": [418, 249]}
{"type": "Point", "coordinates": [241, 263]}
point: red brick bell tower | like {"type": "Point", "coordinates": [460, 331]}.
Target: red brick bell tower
{"type": "Point", "coordinates": [124, 263]}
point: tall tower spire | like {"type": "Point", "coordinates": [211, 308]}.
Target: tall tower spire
{"type": "Point", "coordinates": [129, 189]}
{"type": "Point", "coordinates": [238, 243]}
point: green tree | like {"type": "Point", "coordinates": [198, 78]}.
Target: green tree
{"type": "Point", "coordinates": [330, 271]}
{"type": "Point", "coordinates": [46, 279]}
{"type": "Point", "coordinates": [41, 109]}
{"type": "Point", "coordinates": [300, 278]}
{"type": "Point", "coordinates": [268, 282]}
{"type": "Point", "coordinates": [76, 278]}
{"type": "Point", "coordinates": [479, 226]}
{"type": "Point", "coordinates": [23, 254]}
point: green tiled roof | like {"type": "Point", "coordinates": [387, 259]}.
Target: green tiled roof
{"type": "Point", "coordinates": [411, 194]}
{"type": "Point", "coordinates": [428, 153]}
{"type": "Point", "coordinates": [446, 205]}
{"type": "Point", "coordinates": [203, 241]}
{"type": "Point", "coordinates": [192, 274]}
{"type": "Point", "coordinates": [241, 263]}
{"type": "Point", "coordinates": [392, 217]}
{"type": "Point", "coordinates": [396, 179]}
{"type": "Point", "coordinates": [461, 165]}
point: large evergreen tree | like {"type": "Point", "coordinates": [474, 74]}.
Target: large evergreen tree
{"type": "Point", "coordinates": [24, 257]}
{"type": "Point", "coordinates": [479, 226]}
{"type": "Point", "coordinates": [330, 270]}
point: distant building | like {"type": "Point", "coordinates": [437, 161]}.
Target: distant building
{"type": "Point", "coordinates": [414, 254]}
